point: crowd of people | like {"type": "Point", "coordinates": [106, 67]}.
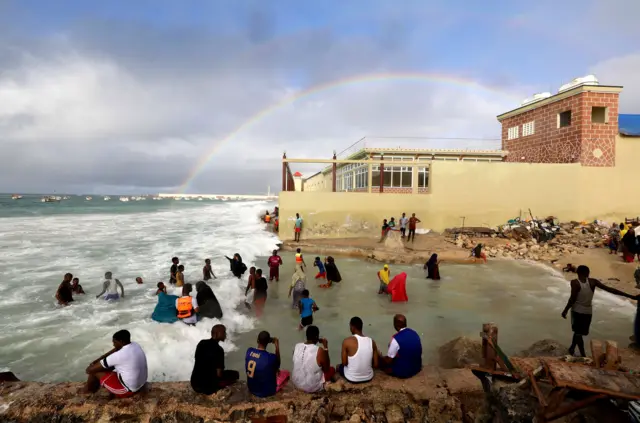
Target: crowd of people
{"type": "Point", "coordinates": [624, 239]}
{"type": "Point", "coordinates": [123, 371]}
{"type": "Point", "coordinates": [402, 226]}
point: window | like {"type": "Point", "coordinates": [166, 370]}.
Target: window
{"type": "Point", "coordinates": [599, 115]}
{"type": "Point", "coordinates": [512, 133]}
{"type": "Point", "coordinates": [394, 177]}
{"type": "Point", "coordinates": [529, 128]}
{"type": "Point", "coordinates": [362, 177]}
{"type": "Point", "coordinates": [564, 119]}
{"type": "Point", "coordinates": [423, 177]}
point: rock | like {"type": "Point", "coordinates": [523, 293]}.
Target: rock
{"type": "Point", "coordinates": [355, 419]}
{"type": "Point", "coordinates": [460, 352]}
{"type": "Point", "coordinates": [393, 242]}
{"type": "Point", "coordinates": [394, 414]}
{"type": "Point", "coordinates": [444, 410]}
{"type": "Point", "coordinates": [545, 348]}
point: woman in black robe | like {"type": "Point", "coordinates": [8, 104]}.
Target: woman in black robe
{"type": "Point", "coordinates": [236, 265]}
{"type": "Point", "coordinates": [207, 301]}
{"type": "Point", "coordinates": [432, 267]}
{"type": "Point", "coordinates": [333, 274]}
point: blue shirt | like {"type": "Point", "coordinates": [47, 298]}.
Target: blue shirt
{"type": "Point", "coordinates": [299, 222]}
{"type": "Point", "coordinates": [320, 266]}
{"type": "Point", "coordinates": [261, 367]}
{"type": "Point", "coordinates": [307, 307]}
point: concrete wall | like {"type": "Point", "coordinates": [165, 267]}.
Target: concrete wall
{"type": "Point", "coordinates": [318, 182]}
{"type": "Point", "coordinates": [487, 194]}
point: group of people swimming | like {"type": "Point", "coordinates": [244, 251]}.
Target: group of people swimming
{"type": "Point", "coordinates": [70, 286]}
{"type": "Point", "coordinates": [123, 371]}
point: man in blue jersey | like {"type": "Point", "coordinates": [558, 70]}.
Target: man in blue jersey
{"type": "Point", "coordinates": [264, 377]}
{"type": "Point", "coordinates": [404, 357]}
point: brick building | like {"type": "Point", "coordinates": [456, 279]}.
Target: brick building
{"type": "Point", "coordinates": [579, 124]}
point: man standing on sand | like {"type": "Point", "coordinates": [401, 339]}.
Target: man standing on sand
{"type": "Point", "coordinates": [359, 355]}
{"type": "Point", "coordinates": [274, 263]}
{"type": "Point", "coordinates": [297, 227]}
{"type": "Point", "coordinates": [403, 225]}
{"type": "Point", "coordinates": [413, 220]}
{"type": "Point", "coordinates": [580, 304]}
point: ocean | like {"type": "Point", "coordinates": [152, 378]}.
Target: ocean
{"type": "Point", "coordinates": [40, 242]}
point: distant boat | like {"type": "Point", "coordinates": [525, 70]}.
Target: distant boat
{"type": "Point", "coordinates": [16, 197]}
{"type": "Point", "coordinates": [88, 198]}
{"type": "Point", "coordinates": [177, 198]}
{"type": "Point", "coordinates": [124, 199]}
{"type": "Point", "coordinates": [50, 199]}
{"type": "Point", "coordinates": [66, 197]}
{"type": "Point", "coordinates": [107, 198]}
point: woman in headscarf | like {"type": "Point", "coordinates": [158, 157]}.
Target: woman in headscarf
{"type": "Point", "coordinates": [298, 284]}
{"type": "Point", "coordinates": [614, 238]}
{"type": "Point", "coordinates": [333, 274]}
{"type": "Point", "coordinates": [236, 265]}
{"type": "Point", "coordinates": [207, 301]}
{"type": "Point", "coordinates": [165, 311]}
{"type": "Point", "coordinates": [629, 246]}
{"type": "Point", "coordinates": [432, 268]}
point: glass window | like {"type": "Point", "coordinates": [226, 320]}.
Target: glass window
{"type": "Point", "coordinates": [406, 179]}
{"type": "Point", "coordinates": [423, 177]}
{"type": "Point", "coordinates": [375, 180]}
{"type": "Point", "coordinates": [395, 179]}
{"type": "Point", "coordinates": [387, 179]}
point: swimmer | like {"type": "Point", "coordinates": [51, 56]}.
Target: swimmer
{"type": "Point", "coordinates": [139, 280]}
{"type": "Point", "coordinates": [207, 271]}
{"type": "Point", "coordinates": [64, 292]}
{"type": "Point", "coordinates": [174, 270]}
{"type": "Point", "coordinates": [76, 287]}
{"type": "Point", "coordinates": [161, 288]}
{"type": "Point", "coordinates": [180, 276]}
{"type": "Point", "coordinates": [110, 286]}
{"type": "Point", "coordinates": [251, 284]}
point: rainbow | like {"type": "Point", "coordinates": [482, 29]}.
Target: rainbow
{"type": "Point", "coordinates": [358, 79]}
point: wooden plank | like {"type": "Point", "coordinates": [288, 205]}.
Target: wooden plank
{"type": "Point", "coordinates": [597, 352]}
{"type": "Point", "coordinates": [609, 382]}
{"type": "Point", "coordinates": [612, 357]}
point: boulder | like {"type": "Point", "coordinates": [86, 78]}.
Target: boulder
{"type": "Point", "coordinates": [393, 242]}
{"type": "Point", "coordinates": [545, 348]}
{"type": "Point", "coordinates": [460, 352]}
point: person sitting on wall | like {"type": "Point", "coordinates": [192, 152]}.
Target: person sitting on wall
{"type": "Point", "coordinates": [264, 377]}
{"type": "Point", "coordinates": [404, 357]}
{"type": "Point", "coordinates": [311, 363]}
{"type": "Point", "coordinates": [359, 355]}
{"type": "Point", "coordinates": [209, 374]}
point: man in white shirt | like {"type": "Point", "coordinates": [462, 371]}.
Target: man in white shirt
{"type": "Point", "coordinates": [404, 220]}
{"type": "Point", "coordinates": [122, 371]}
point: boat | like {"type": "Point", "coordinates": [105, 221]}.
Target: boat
{"type": "Point", "coordinates": [66, 197]}
{"type": "Point", "coordinates": [124, 199]}
{"type": "Point", "coordinates": [107, 198]}
{"type": "Point", "coordinates": [16, 197]}
{"type": "Point", "coordinates": [88, 198]}
{"type": "Point", "coordinates": [50, 199]}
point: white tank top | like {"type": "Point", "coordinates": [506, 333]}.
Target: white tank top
{"type": "Point", "coordinates": [307, 375]}
{"type": "Point", "coordinates": [584, 300]}
{"type": "Point", "coordinates": [360, 367]}
{"type": "Point", "coordinates": [112, 288]}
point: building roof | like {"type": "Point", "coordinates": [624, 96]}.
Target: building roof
{"type": "Point", "coordinates": [297, 174]}
{"type": "Point", "coordinates": [560, 96]}
{"type": "Point", "coordinates": [434, 151]}
{"type": "Point", "coordinates": [629, 125]}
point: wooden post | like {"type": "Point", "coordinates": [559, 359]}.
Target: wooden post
{"type": "Point", "coordinates": [613, 359]}
{"type": "Point", "coordinates": [381, 175]}
{"type": "Point", "coordinates": [596, 353]}
{"type": "Point", "coordinates": [334, 175]}
{"type": "Point", "coordinates": [489, 354]}
{"type": "Point", "coordinates": [284, 172]}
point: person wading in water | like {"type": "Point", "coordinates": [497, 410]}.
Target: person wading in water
{"type": "Point", "coordinates": [580, 304]}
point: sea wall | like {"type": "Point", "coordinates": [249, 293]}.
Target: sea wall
{"type": "Point", "coordinates": [435, 395]}
{"type": "Point", "coordinates": [485, 194]}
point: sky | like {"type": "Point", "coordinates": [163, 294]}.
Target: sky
{"type": "Point", "coordinates": [195, 96]}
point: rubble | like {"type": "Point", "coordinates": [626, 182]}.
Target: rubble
{"type": "Point", "coordinates": [538, 240]}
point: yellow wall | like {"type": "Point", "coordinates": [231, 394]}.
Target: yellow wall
{"type": "Point", "coordinates": [319, 182]}
{"type": "Point", "coordinates": [487, 194]}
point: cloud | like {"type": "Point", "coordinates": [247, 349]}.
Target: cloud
{"type": "Point", "coordinates": [623, 71]}
{"type": "Point", "coordinates": [139, 107]}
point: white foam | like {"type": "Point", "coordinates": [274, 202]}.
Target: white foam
{"type": "Point", "coordinates": [41, 341]}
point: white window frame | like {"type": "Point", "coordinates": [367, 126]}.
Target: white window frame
{"type": "Point", "coordinates": [513, 133]}
{"type": "Point", "coordinates": [529, 128]}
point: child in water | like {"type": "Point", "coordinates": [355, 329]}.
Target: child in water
{"type": "Point", "coordinates": [322, 273]}
{"type": "Point", "coordinates": [180, 276]}
{"type": "Point", "coordinates": [307, 307]}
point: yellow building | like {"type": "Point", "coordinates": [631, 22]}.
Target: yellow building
{"type": "Point", "coordinates": [569, 155]}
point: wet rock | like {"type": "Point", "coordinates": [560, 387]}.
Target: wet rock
{"type": "Point", "coordinates": [460, 352]}
{"type": "Point", "coordinates": [545, 348]}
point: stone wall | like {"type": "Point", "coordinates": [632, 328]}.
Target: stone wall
{"type": "Point", "coordinates": [583, 141]}
{"type": "Point", "coordinates": [435, 395]}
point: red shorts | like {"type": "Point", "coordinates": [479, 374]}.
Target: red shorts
{"type": "Point", "coordinates": [298, 229]}
{"type": "Point", "coordinates": [111, 382]}
{"type": "Point", "coordinates": [321, 275]}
